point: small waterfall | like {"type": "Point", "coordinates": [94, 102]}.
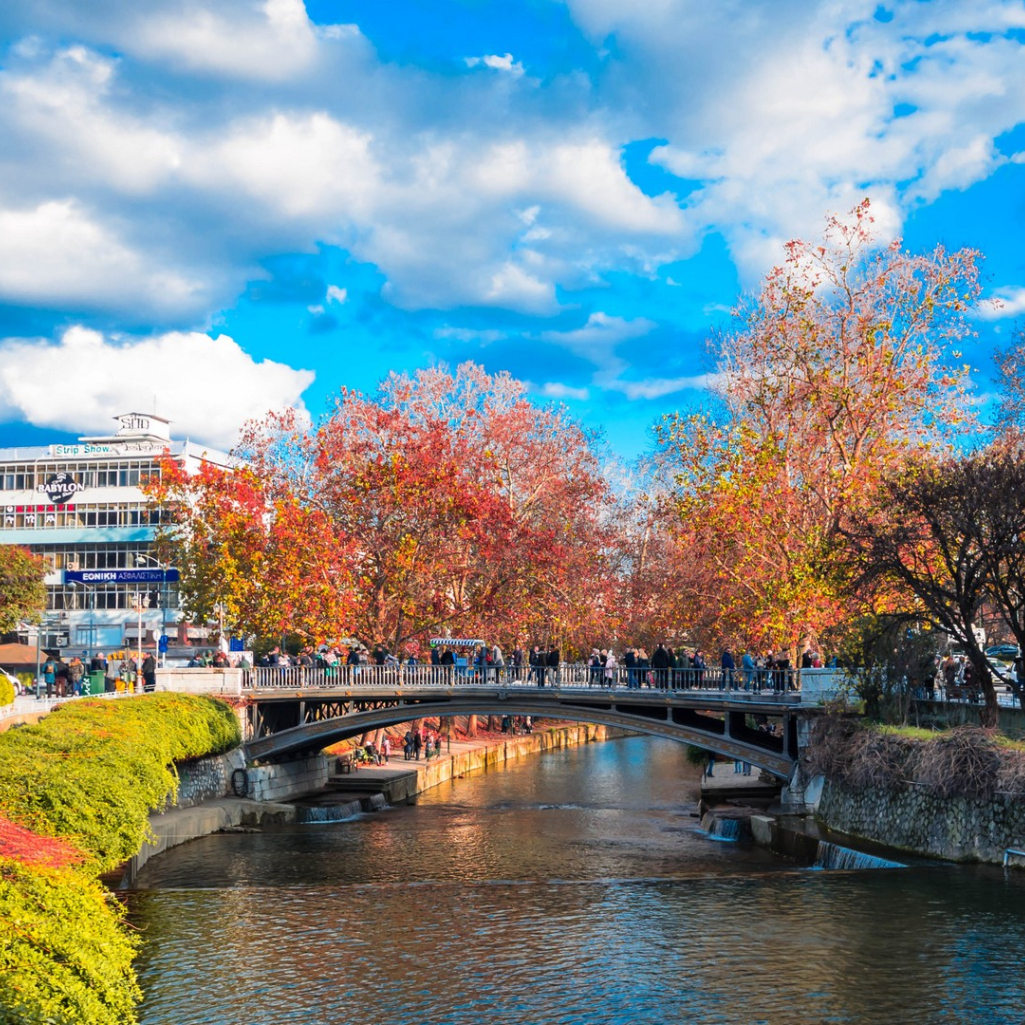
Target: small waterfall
{"type": "Point", "coordinates": [832, 856]}
{"type": "Point", "coordinates": [374, 802]}
{"type": "Point", "coordinates": [328, 812]}
{"type": "Point", "coordinates": [726, 830]}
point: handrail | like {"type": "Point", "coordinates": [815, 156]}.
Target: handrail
{"type": "Point", "coordinates": [779, 683]}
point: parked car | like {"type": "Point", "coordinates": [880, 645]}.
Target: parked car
{"type": "Point", "coordinates": [1003, 652]}
{"type": "Point", "coordinates": [14, 681]}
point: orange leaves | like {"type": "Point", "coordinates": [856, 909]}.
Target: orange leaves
{"type": "Point", "coordinates": [839, 369]}
{"type": "Point", "coordinates": [447, 500]}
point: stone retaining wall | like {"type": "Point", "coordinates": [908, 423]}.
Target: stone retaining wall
{"type": "Point", "coordinates": [289, 779]}
{"type": "Point", "coordinates": [912, 820]}
{"type": "Point", "coordinates": [206, 778]}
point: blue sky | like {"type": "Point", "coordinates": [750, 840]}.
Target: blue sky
{"type": "Point", "coordinates": [217, 207]}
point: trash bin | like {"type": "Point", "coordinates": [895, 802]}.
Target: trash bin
{"type": "Point", "coordinates": [95, 682]}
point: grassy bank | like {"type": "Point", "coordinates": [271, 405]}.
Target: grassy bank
{"type": "Point", "coordinates": [76, 790]}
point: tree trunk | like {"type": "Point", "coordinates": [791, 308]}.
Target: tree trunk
{"type": "Point", "coordinates": [471, 726]}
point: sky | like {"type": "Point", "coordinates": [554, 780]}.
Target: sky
{"type": "Point", "coordinates": [213, 208]}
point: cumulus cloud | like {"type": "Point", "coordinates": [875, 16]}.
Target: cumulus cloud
{"type": "Point", "coordinates": [1003, 302]}
{"type": "Point", "coordinates": [559, 391]}
{"type": "Point", "coordinates": [208, 386]}
{"type": "Point", "coordinates": [778, 113]}
{"type": "Point", "coordinates": [57, 252]}
{"type": "Point", "coordinates": [226, 132]}
{"type": "Point", "coordinates": [497, 63]}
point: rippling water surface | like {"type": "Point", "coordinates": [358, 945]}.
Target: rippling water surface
{"type": "Point", "coordinates": [569, 888]}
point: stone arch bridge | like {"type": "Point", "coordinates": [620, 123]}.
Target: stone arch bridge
{"type": "Point", "coordinates": [295, 711]}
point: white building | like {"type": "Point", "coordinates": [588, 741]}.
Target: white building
{"type": "Point", "coordinates": [81, 508]}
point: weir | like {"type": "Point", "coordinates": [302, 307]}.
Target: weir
{"type": "Point", "coordinates": [833, 856]}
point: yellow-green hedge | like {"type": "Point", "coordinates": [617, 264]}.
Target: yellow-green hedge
{"type": "Point", "coordinates": [65, 958]}
{"type": "Point", "coordinates": [92, 770]}
{"type": "Point", "coordinates": [6, 691]}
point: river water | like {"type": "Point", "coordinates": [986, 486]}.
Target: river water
{"type": "Point", "coordinates": [572, 887]}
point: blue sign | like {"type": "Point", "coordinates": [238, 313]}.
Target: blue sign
{"type": "Point", "coordinates": [235, 644]}
{"type": "Point", "coordinates": [162, 644]}
{"type": "Point", "coordinates": [121, 576]}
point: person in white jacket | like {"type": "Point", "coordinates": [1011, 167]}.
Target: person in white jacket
{"type": "Point", "coordinates": [611, 666]}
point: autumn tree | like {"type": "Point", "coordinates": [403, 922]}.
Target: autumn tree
{"type": "Point", "coordinates": [921, 538]}
{"type": "Point", "coordinates": [1011, 364]}
{"type": "Point", "coordinates": [271, 565]}
{"type": "Point", "coordinates": [446, 502]}
{"type": "Point", "coordinates": [843, 366]}
{"type": "Point", "coordinates": [22, 591]}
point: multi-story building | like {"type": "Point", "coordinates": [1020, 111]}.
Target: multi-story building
{"type": "Point", "coordinates": [81, 508]}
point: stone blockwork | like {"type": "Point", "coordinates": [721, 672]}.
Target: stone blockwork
{"type": "Point", "coordinates": [206, 778]}
{"type": "Point", "coordinates": [912, 820]}
{"type": "Point", "coordinates": [289, 779]}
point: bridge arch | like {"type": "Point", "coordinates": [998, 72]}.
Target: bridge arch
{"type": "Point", "coordinates": [725, 736]}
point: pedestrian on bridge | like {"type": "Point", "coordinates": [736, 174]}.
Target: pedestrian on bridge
{"type": "Point", "coordinates": [728, 668]}
{"type": "Point", "coordinates": [611, 669]}
{"type": "Point", "coordinates": [553, 661]}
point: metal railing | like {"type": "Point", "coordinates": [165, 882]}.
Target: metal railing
{"type": "Point", "coordinates": [567, 675]}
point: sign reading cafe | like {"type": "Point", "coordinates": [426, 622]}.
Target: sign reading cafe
{"type": "Point", "coordinates": [59, 487]}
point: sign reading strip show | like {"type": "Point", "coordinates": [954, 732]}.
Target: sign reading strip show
{"type": "Point", "coordinates": [120, 576]}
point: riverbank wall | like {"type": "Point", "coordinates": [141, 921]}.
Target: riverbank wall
{"type": "Point", "coordinates": [952, 828]}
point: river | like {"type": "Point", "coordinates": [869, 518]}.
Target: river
{"type": "Point", "coordinates": [569, 888]}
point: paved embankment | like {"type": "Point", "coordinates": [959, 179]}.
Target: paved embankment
{"type": "Point", "coordinates": [401, 779]}
{"type": "Point", "coordinates": [180, 825]}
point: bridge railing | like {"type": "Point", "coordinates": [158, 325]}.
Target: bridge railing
{"type": "Point", "coordinates": [564, 676]}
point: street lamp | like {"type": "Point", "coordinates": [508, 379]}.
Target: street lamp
{"type": "Point", "coordinates": [141, 559]}
{"type": "Point", "coordinates": [141, 602]}
{"type": "Point", "coordinates": [92, 613]}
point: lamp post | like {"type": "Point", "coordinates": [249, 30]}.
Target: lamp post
{"type": "Point", "coordinates": [141, 602]}
{"type": "Point", "coordinates": [141, 559]}
{"type": "Point", "coordinates": [92, 613]}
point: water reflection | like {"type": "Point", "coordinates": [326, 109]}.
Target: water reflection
{"type": "Point", "coordinates": [571, 888]}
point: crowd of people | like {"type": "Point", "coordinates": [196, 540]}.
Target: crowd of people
{"type": "Point", "coordinates": [121, 671]}
{"type": "Point", "coordinates": [543, 666]}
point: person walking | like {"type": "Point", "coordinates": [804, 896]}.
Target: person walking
{"type": "Point", "coordinates": [76, 672]}
{"type": "Point", "coordinates": [418, 743]}
{"type": "Point", "coordinates": [728, 667]}
{"type": "Point", "coordinates": [49, 679]}
{"type": "Point", "coordinates": [748, 665]}
{"type": "Point", "coordinates": [149, 673]}
{"type": "Point", "coordinates": [611, 669]}
{"type": "Point", "coordinates": [552, 661]}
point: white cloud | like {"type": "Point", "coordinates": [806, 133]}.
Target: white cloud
{"type": "Point", "coordinates": [1003, 302]}
{"type": "Point", "coordinates": [336, 294]}
{"type": "Point", "coordinates": [556, 390]}
{"type": "Point", "coordinates": [466, 189]}
{"type": "Point", "coordinates": [59, 253]}
{"type": "Point", "coordinates": [497, 63]}
{"type": "Point", "coordinates": [778, 113]}
{"type": "Point", "coordinates": [207, 386]}
{"type": "Point", "coordinates": [658, 387]}
{"type": "Point", "coordinates": [272, 40]}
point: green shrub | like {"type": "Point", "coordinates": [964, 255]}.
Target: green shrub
{"type": "Point", "coordinates": [92, 770]}
{"type": "Point", "coordinates": [65, 959]}
{"type": "Point", "coordinates": [6, 691]}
